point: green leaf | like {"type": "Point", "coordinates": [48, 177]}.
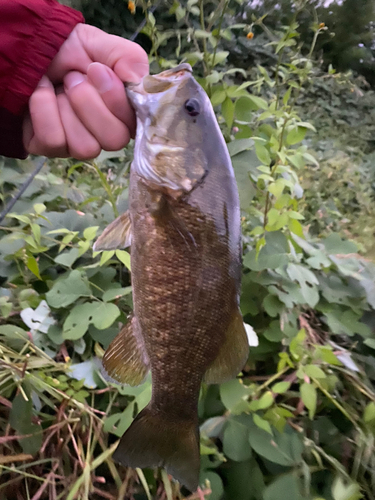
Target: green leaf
{"type": "Point", "coordinates": [239, 145]}
{"type": "Point", "coordinates": [124, 257]}
{"type": "Point", "coordinates": [116, 293]}
{"type": "Point", "coordinates": [244, 166]}
{"type": "Point", "coordinates": [284, 487]}
{"type": "Point", "coordinates": [296, 135]}
{"type": "Point", "coordinates": [201, 34]}
{"type": "Point", "coordinates": [216, 484]}
{"type": "Point", "coordinates": [39, 208]}
{"type": "Point", "coordinates": [100, 314]}
{"type": "Point", "coordinates": [105, 315]}
{"type": "Point", "coordinates": [106, 255]}
{"type": "Point", "coordinates": [234, 395]}
{"type": "Point", "coordinates": [90, 232]}
{"type": "Point", "coordinates": [221, 57]}
{"type": "Point", "coordinates": [369, 413]}
{"type": "Point", "coordinates": [277, 188]}
{"type": "Point", "coordinates": [314, 371]}
{"type": "Point", "coordinates": [244, 109]}
{"type": "Point", "coordinates": [309, 398]}
{"type": "Point", "coordinates": [265, 401]}
{"type": "Point", "coordinates": [286, 96]}
{"type": "Point", "coordinates": [227, 110]}
{"type": "Point", "coordinates": [344, 490]}
{"type": "Point", "coordinates": [273, 306]}
{"type": "Point", "coordinates": [347, 322]}
{"type": "Point", "coordinates": [32, 265]}
{"type": "Point", "coordinates": [218, 97]}
{"type": "Point", "coordinates": [262, 153]}
{"type": "Point", "coordinates": [262, 424]}
{"type": "Point", "coordinates": [20, 419]}
{"type": "Point", "coordinates": [281, 387]}
{"type": "Point", "coordinates": [66, 291]}
{"type": "Point", "coordinates": [117, 424]}
{"type": "Point", "coordinates": [272, 255]}
{"type": "Point", "coordinates": [307, 281]}
{"type": "Point", "coordinates": [67, 258]}
{"type": "Point", "coordinates": [85, 372]}
{"type": "Point", "coordinates": [258, 102]}
{"type": "Point", "coordinates": [35, 229]}
{"type": "Point", "coordinates": [236, 440]}
{"type": "Point", "coordinates": [283, 449]}
{"type": "Point", "coordinates": [151, 18]}
{"type": "Point", "coordinates": [334, 244]}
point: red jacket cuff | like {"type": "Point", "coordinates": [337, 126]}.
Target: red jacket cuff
{"type": "Point", "coordinates": [31, 35]}
{"type": "Point", "coordinates": [49, 34]}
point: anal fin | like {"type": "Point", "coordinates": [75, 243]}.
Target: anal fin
{"type": "Point", "coordinates": [232, 355]}
{"type": "Point", "coordinates": [115, 236]}
{"type": "Point", "coordinates": [126, 360]}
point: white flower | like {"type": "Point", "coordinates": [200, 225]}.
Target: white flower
{"type": "Point", "coordinates": [252, 337]}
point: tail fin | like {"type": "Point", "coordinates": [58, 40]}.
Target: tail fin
{"type": "Point", "coordinates": [153, 440]}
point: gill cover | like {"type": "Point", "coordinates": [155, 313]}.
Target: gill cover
{"type": "Point", "coordinates": [169, 147]}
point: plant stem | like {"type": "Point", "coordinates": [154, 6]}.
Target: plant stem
{"type": "Point", "coordinates": [205, 52]}
{"type": "Point", "coordinates": [219, 30]}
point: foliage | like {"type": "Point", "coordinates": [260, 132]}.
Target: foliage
{"type": "Point", "coordinates": [348, 42]}
{"type": "Point", "coordinates": [299, 422]}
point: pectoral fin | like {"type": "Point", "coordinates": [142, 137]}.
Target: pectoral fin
{"type": "Point", "coordinates": [126, 360]}
{"type": "Point", "coordinates": [233, 353]}
{"type": "Point", "coordinates": [116, 235]}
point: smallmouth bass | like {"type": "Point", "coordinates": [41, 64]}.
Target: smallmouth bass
{"type": "Point", "coordinates": [183, 226]}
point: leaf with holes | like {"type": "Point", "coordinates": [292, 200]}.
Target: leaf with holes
{"type": "Point", "coordinates": [68, 290]}
{"type": "Point", "coordinates": [100, 314]}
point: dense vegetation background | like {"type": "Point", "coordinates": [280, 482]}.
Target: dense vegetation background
{"type": "Point", "coordinates": [299, 422]}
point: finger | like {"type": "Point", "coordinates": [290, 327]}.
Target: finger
{"type": "Point", "coordinates": [44, 132]}
{"type": "Point", "coordinates": [112, 91]}
{"type": "Point", "coordinates": [71, 56]}
{"type": "Point", "coordinates": [127, 59]}
{"type": "Point", "coordinates": [81, 144]}
{"type": "Point", "coordinates": [110, 132]}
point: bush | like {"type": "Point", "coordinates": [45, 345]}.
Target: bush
{"type": "Point", "coordinates": [299, 422]}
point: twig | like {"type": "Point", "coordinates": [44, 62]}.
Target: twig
{"type": "Point", "coordinates": [142, 24]}
{"type": "Point", "coordinates": [25, 185]}
{"type": "Point", "coordinates": [39, 493]}
{"type": "Point", "coordinates": [199, 494]}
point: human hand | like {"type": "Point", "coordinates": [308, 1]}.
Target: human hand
{"type": "Point", "coordinates": [90, 110]}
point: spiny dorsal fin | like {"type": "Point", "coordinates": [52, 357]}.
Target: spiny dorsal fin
{"type": "Point", "coordinates": [115, 236]}
{"type": "Point", "coordinates": [232, 355]}
{"type": "Point", "coordinates": [126, 360]}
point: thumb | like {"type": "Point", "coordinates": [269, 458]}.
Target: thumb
{"type": "Point", "coordinates": [127, 59]}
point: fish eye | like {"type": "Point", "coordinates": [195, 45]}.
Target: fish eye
{"type": "Point", "coordinates": [192, 107]}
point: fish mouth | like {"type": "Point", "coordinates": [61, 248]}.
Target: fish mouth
{"type": "Point", "coordinates": [157, 84]}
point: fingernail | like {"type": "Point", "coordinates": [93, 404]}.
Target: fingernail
{"type": "Point", "coordinates": [133, 73]}
{"type": "Point", "coordinates": [73, 79]}
{"type": "Point", "coordinates": [45, 82]}
{"type": "Point", "coordinates": [100, 76]}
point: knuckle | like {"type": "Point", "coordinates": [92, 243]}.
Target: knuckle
{"type": "Point", "coordinates": [85, 151]}
{"type": "Point", "coordinates": [54, 140]}
{"type": "Point", "coordinates": [117, 140]}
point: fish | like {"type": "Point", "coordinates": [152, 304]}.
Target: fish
{"type": "Point", "coordinates": [183, 228]}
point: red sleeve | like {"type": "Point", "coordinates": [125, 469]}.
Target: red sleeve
{"type": "Point", "coordinates": [31, 34]}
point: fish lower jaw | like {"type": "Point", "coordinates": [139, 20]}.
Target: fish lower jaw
{"type": "Point", "coordinates": [156, 148]}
